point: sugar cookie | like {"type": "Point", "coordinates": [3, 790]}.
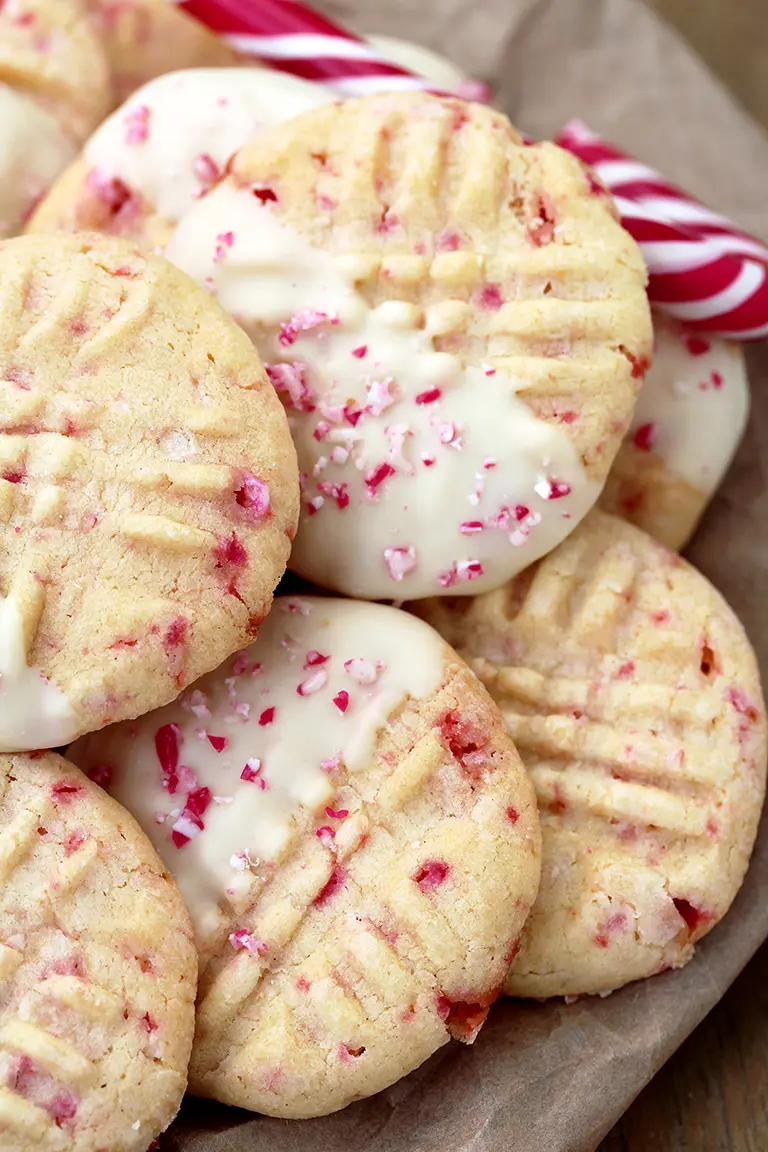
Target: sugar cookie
{"type": "Point", "coordinates": [634, 699]}
{"type": "Point", "coordinates": [148, 163]}
{"type": "Point", "coordinates": [98, 969]}
{"type": "Point", "coordinates": [358, 844]}
{"type": "Point", "coordinates": [457, 326]}
{"type": "Point", "coordinates": [148, 490]}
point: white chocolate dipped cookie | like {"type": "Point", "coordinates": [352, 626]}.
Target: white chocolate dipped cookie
{"type": "Point", "coordinates": [147, 38]}
{"type": "Point", "coordinates": [148, 489]}
{"type": "Point", "coordinates": [358, 843]}
{"type": "Point", "coordinates": [634, 699]}
{"type": "Point", "coordinates": [456, 324]}
{"type": "Point", "coordinates": [97, 969]}
{"type": "Point", "coordinates": [166, 147]}
{"type": "Point", "coordinates": [53, 90]}
{"type": "Point", "coordinates": [688, 423]}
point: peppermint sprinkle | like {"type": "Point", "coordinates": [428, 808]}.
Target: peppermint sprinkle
{"type": "Point", "coordinates": [266, 717]}
{"type": "Point", "coordinates": [488, 370]}
{"type": "Point", "coordinates": [242, 939]}
{"type": "Point", "coordinates": [469, 527]}
{"type": "Point", "coordinates": [400, 561]}
{"type": "Point", "coordinates": [218, 743]}
{"type": "Point", "coordinates": [224, 242]}
{"type": "Point", "coordinates": [381, 395]}
{"type": "Point", "coordinates": [431, 396]}
{"type": "Point", "coordinates": [314, 659]}
{"type": "Point", "coordinates": [552, 489]}
{"type": "Point", "coordinates": [362, 671]}
{"type": "Point", "coordinates": [331, 763]}
{"type": "Point", "coordinates": [252, 773]}
{"type": "Point", "coordinates": [340, 815]}
{"type": "Point", "coordinates": [326, 836]}
{"type": "Point", "coordinates": [137, 124]}
{"type": "Point", "coordinates": [313, 683]}
{"type": "Point", "coordinates": [341, 700]}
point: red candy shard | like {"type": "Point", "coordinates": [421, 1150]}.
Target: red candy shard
{"type": "Point", "coordinates": [462, 737]}
{"type": "Point", "coordinates": [253, 494]}
{"type": "Point", "coordinates": [431, 874]}
{"type": "Point", "coordinates": [167, 748]}
{"type": "Point", "coordinates": [377, 477]}
{"type": "Point", "coordinates": [464, 1018]}
{"type": "Point", "coordinates": [644, 437]}
{"type": "Point", "coordinates": [229, 552]}
{"type": "Point", "coordinates": [176, 633]}
{"type": "Point", "coordinates": [265, 195]}
{"type": "Point", "coordinates": [694, 917]}
{"type": "Point", "coordinates": [218, 743]}
{"type": "Point", "coordinates": [64, 791]}
{"type": "Point", "coordinates": [491, 298]}
{"type": "Point", "coordinates": [431, 396]}
{"type": "Point", "coordinates": [341, 700]}
{"type": "Point", "coordinates": [696, 345]}
{"type": "Point", "coordinates": [266, 717]}
{"type": "Point", "coordinates": [513, 815]}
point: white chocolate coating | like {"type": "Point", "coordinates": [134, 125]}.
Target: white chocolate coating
{"type": "Point", "coordinates": [172, 139]}
{"type": "Point", "coordinates": [420, 476]}
{"type": "Point", "coordinates": [313, 691]}
{"type": "Point", "coordinates": [34, 713]}
{"type": "Point", "coordinates": [693, 406]}
{"type": "Point", "coordinates": [34, 149]}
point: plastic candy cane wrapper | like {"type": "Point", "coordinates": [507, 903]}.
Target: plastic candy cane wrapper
{"type": "Point", "coordinates": [703, 270]}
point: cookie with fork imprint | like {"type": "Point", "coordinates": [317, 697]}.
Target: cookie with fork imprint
{"type": "Point", "coordinates": [457, 325]}
{"type": "Point", "coordinates": [148, 163]}
{"type": "Point", "coordinates": [358, 844]}
{"type": "Point", "coordinates": [147, 38]}
{"type": "Point", "coordinates": [148, 489]}
{"type": "Point", "coordinates": [688, 423]}
{"type": "Point", "coordinates": [633, 696]}
{"type": "Point", "coordinates": [50, 52]}
{"type": "Point", "coordinates": [44, 112]}
{"type": "Point", "coordinates": [98, 968]}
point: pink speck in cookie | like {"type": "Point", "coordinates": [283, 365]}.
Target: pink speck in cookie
{"type": "Point", "coordinates": [63, 1108]}
{"type": "Point", "coordinates": [137, 124]}
{"type": "Point", "coordinates": [334, 884]}
{"type": "Point", "coordinates": [65, 791]}
{"type": "Point", "coordinates": [340, 814]}
{"type": "Point", "coordinates": [74, 841]}
{"type": "Point", "coordinates": [253, 495]}
{"type": "Point", "coordinates": [176, 633]}
{"type": "Point", "coordinates": [513, 815]}
{"type": "Point", "coordinates": [741, 703]}
{"type": "Point", "coordinates": [114, 194]}
{"type": "Point", "coordinates": [490, 298]}
{"type": "Point", "coordinates": [242, 938]}
{"type": "Point", "coordinates": [639, 364]}
{"type": "Point", "coordinates": [400, 561]}
{"type": "Point", "coordinates": [347, 1054]}
{"type": "Point", "coordinates": [302, 984]}
{"type": "Point", "coordinates": [542, 229]}
{"type": "Point", "coordinates": [431, 396]}
{"type": "Point", "coordinates": [341, 700]}
{"type": "Point", "coordinates": [148, 1023]}
{"type": "Point", "coordinates": [230, 553]}
{"type": "Point", "coordinates": [13, 475]}
{"type": "Point", "coordinates": [431, 874]}
{"type": "Point", "coordinates": [224, 242]}
{"type": "Point", "coordinates": [626, 670]}
{"type": "Point", "coordinates": [448, 241]}
{"type": "Point", "coordinates": [661, 617]}
{"type": "Point", "coordinates": [326, 836]}
{"type": "Point", "coordinates": [694, 917]}
{"type": "Point", "coordinates": [462, 1018]}
{"type": "Point", "coordinates": [466, 742]}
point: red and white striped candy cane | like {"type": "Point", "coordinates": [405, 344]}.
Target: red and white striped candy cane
{"type": "Point", "coordinates": [703, 270]}
{"type": "Point", "coordinates": [296, 39]}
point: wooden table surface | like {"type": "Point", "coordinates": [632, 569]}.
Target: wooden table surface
{"type": "Point", "coordinates": [712, 1096]}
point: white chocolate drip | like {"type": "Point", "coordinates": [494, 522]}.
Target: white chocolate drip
{"type": "Point", "coordinates": [34, 713]}
{"type": "Point", "coordinates": [172, 139]}
{"type": "Point", "coordinates": [420, 475]}
{"type": "Point", "coordinates": [280, 711]}
{"type": "Point", "coordinates": [696, 401]}
{"type": "Point", "coordinates": [34, 149]}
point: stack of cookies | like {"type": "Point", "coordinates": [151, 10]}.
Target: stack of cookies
{"type": "Point", "coordinates": [488, 738]}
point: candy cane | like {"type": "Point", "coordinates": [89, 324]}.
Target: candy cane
{"type": "Point", "coordinates": [703, 270]}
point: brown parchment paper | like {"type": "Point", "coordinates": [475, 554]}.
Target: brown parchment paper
{"type": "Point", "coordinates": [555, 1078]}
